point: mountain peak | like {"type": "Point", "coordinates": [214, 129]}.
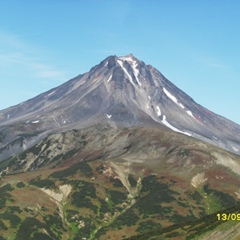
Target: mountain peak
{"type": "Point", "coordinates": [120, 91]}
{"type": "Point", "coordinates": [129, 57]}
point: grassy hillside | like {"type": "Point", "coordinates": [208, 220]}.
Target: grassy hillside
{"type": "Point", "coordinates": [157, 188]}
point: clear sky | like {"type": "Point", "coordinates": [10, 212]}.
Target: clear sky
{"type": "Point", "coordinates": [195, 44]}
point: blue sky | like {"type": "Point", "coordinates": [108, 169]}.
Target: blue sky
{"type": "Point", "coordinates": [195, 44]}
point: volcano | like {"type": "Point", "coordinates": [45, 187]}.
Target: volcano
{"type": "Point", "coordinates": [118, 153]}
{"type": "Point", "coordinates": [120, 91]}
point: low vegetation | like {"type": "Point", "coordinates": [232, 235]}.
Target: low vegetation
{"type": "Point", "coordinates": [122, 199]}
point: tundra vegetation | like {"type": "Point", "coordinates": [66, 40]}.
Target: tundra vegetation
{"type": "Point", "coordinates": [116, 197]}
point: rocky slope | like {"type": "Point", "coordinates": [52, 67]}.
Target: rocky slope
{"type": "Point", "coordinates": [121, 91]}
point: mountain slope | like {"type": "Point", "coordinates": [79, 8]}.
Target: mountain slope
{"type": "Point", "coordinates": [106, 183]}
{"type": "Point", "coordinates": [122, 91]}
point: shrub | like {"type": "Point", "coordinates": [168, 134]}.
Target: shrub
{"type": "Point", "coordinates": [117, 197]}
{"type": "Point", "coordinates": [28, 226]}
{"type": "Point", "coordinates": [116, 182]}
{"type": "Point", "coordinates": [132, 181]}
{"type": "Point", "coordinates": [13, 219]}
{"type": "Point", "coordinates": [43, 183]}
{"type": "Point", "coordinates": [20, 185]}
{"type": "Point", "coordinates": [41, 236]}
{"type": "Point", "coordinates": [128, 218]}
{"type": "Point", "coordinates": [148, 226]}
{"type": "Point", "coordinates": [81, 167]}
{"type": "Point", "coordinates": [12, 209]}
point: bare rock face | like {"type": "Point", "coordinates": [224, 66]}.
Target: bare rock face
{"type": "Point", "coordinates": [120, 91]}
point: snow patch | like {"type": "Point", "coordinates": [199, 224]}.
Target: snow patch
{"type": "Point", "coordinates": [173, 98]}
{"type": "Point", "coordinates": [106, 64]}
{"type": "Point", "coordinates": [129, 76]}
{"type": "Point", "coordinates": [129, 59]}
{"type": "Point", "coordinates": [166, 123]}
{"type": "Point", "coordinates": [109, 78]}
{"type": "Point", "coordinates": [37, 121]}
{"type": "Point", "coordinates": [134, 65]}
{"type": "Point", "coordinates": [234, 148]}
{"type": "Point", "coordinates": [190, 113]}
{"type": "Point", "coordinates": [136, 72]}
{"type": "Point", "coordinates": [149, 97]}
{"type": "Point", "coordinates": [158, 111]}
{"type": "Point", "coordinates": [8, 116]}
{"type": "Point", "coordinates": [109, 116]}
{"type": "Point", "coordinates": [51, 93]}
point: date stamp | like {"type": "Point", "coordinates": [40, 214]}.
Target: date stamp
{"type": "Point", "coordinates": [228, 216]}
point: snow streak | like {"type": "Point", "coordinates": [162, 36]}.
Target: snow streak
{"type": "Point", "coordinates": [158, 111]}
{"type": "Point", "coordinates": [37, 121]}
{"type": "Point", "coordinates": [173, 98]}
{"type": "Point", "coordinates": [134, 67]}
{"type": "Point", "coordinates": [166, 123]}
{"type": "Point", "coordinates": [109, 78]}
{"type": "Point", "coordinates": [129, 76]}
{"type": "Point", "coordinates": [190, 113]}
